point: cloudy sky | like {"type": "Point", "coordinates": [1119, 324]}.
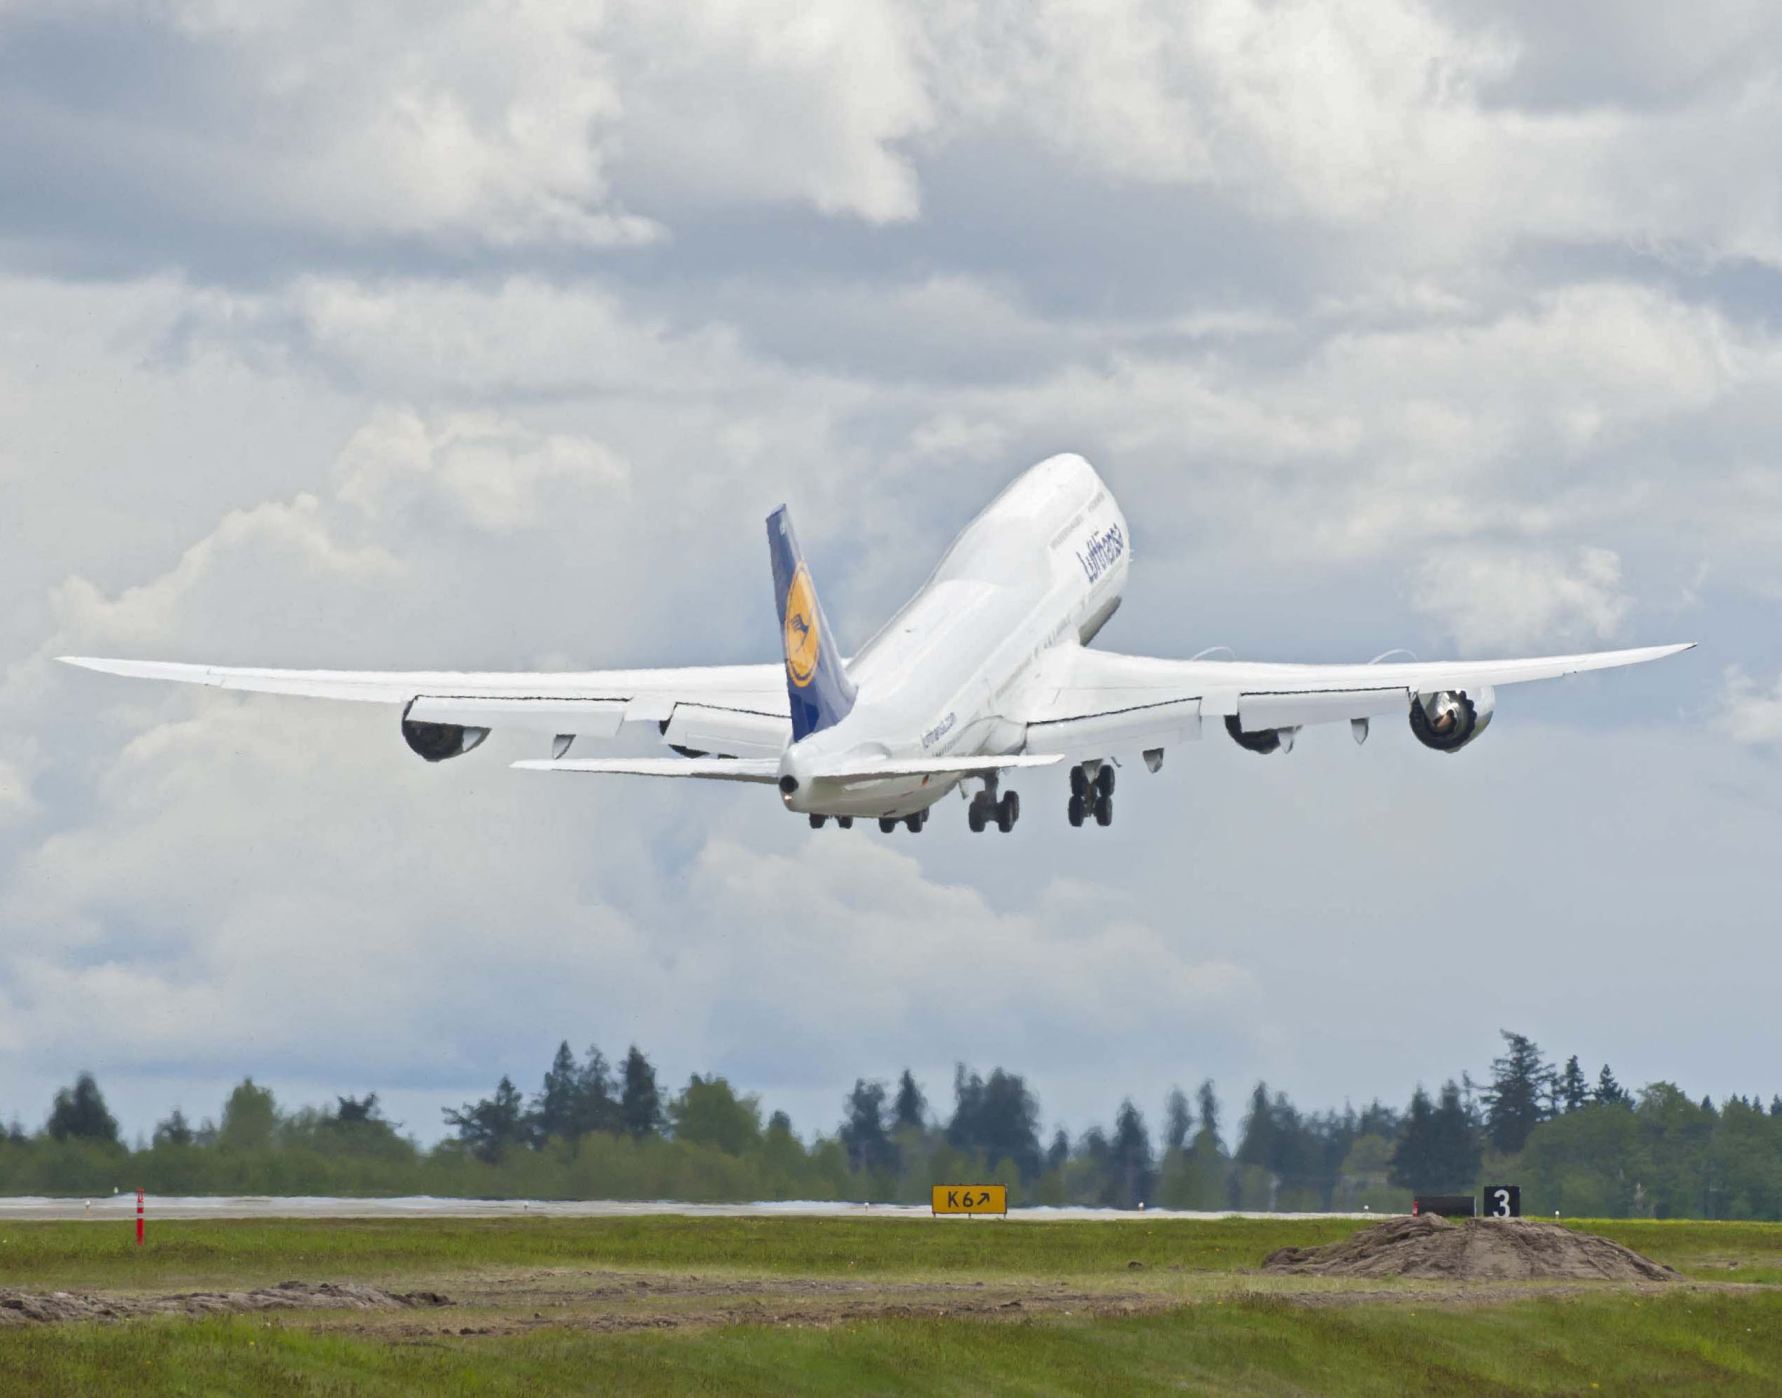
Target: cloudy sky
{"type": "Point", "coordinates": [483, 335]}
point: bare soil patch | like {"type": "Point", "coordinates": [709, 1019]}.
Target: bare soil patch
{"type": "Point", "coordinates": [1431, 1248]}
{"type": "Point", "coordinates": [52, 1307]}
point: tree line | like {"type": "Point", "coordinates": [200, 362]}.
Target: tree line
{"type": "Point", "coordinates": [1578, 1145]}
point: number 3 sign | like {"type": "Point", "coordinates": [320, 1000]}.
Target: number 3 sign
{"type": "Point", "coordinates": [1503, 1201]}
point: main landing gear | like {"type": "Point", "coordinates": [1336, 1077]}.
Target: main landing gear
{"type": "Point", "coordinates": [912, 823]}
{"type": "Point", "coordinates": [986, 809]}
{"type": "Point", "coordinates": [819, 821]}
{"type": "Point", "coordinates": [1092, 794]}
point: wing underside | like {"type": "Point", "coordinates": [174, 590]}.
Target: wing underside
{"type": "Point", "coordinates": [735, 710]}
{"type": "Point", "coordinates": [1085, 702]}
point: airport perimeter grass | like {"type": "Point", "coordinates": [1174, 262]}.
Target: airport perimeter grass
{"type": "Point", "coordinates": [1684, 1343]}
{"type": "Point", "coordinates": [222, 1253]}
{"type": "Point", "coordinates": [1212, 1327]}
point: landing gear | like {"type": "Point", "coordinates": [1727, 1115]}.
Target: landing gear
{"type": "Point", "coordinates": [916, 822]}
{"type": "Point", "coordinates": [1091, 794]}
{"type": "Point", "coordinates": [986, 807]}
{"type": "Point", "coordinates": [819, 821]}
{"type": "Point", "coordinates": [887, 824]}
{"type": "Point", "coordinates": [846, 822]}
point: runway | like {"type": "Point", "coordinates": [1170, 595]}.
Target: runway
{"type": "Point", "coordinates": [116, 1207]}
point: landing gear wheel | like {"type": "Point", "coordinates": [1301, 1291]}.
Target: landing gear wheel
{"type": "Point", "coordinates": [1104, 810]}
{"type": "Point", "coordinates": [916, 822]}
{"type": "Point", "coordinates": [818, 821]}
{"type": "Point", "coordinates": [978, 815]}
{"type": "Point", "coordinates": [887, 824]}
{"type": "Point", "coordinates": [1008, 811]}
{"type": "Point", "coordinates": [1104, 782]}
{"type": "Point", "coordinates": [1079, 782]}
{"type": "Point", "coordinates": [846, 822]}
{"type": "Point", "coordinates": [1079, 810]}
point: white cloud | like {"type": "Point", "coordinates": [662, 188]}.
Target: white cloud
{"type": "Point", "coordinates": [1751, 711]}
{"type": "Point", "coordinates": [1494, 600]}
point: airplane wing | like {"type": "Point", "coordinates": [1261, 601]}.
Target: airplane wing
{"type": "Point", "coordinates": [1085, 703]}
{"type": "Point", "coordinates": [738, 710]}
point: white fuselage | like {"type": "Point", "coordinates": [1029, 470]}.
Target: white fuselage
{"type": "Point", "coordinates": [1043, 566]}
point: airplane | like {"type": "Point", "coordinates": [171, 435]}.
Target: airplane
{"type": "Point", "coordinates": [987, 671]}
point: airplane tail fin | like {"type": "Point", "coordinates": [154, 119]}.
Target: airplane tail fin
{"type": "Point", "coordinates": [818, 685]}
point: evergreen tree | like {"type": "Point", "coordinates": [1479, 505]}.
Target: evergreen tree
{"type": "Point", "coordinates": [1207, 1105]}
{"type": "Point", "coordinates": [640, 1105]}
{"type": "Point", "coordinates": [494, 1125]}
{"type": "Point", "coordinates": [1411, 1160]}
{"type": "Point", "coordinates": [1178, 1121]}
{"type": "Point", "coordinates": [1058, 1153]}
{"type": "Point", "coordinates": [1776, 1104]}
{"type": "Point", "coordinates": [997, 1119]}
{"type": "Point", "coordinates": [863, 1132]}
{"type": "Point", "coordinates": [1257, 1144]}
{"type": "Point", "coordinates": [599, 1101]}
{"type": "Point", "coordinates": [79, 1114]}
{"type": "Point", "coordinates": [1129, 1158]}
{"type": "Point", "coordinates": [1455, 1147]}
{"type": "Point", "coordinates": [557, 1110]}
{"type": "Point", "coordinates": [1610, 1093]}
{"type": "Point", "coordinates": [1519, 1080]}
{"type": "Point", "coordinates": [357, 1111]}
{"type": "Point", "coordinates": [174, 1131]}
{"type": "Point", "coordinates": [1574, 1087]}
{"type": "Point", "coordinates": [911, 1107]}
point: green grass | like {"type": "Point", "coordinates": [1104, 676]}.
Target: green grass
{"type": "Point", "coordinates": [1675, 1344]}
{"type": "Point", "coordinates": [88, 1254]}
{"type": "Point", "coordinates": [248, 1253]}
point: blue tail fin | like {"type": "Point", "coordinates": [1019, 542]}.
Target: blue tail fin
{"type": "Point", "coordinates": [819, 687]}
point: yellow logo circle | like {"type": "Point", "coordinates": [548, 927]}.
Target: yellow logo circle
{"type": "Point", "coordinates": [802, 641]}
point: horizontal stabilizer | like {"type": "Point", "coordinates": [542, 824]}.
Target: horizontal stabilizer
{"type": "Point", "coordinates": [726, 769]}
{"type": "Point", "coordinates": [766, 770]}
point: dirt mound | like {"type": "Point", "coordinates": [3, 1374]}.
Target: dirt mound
{"type": "Point", "coordinates": [1478, 1249]}
{"type": "Point", "coordinates": [25, 1307]}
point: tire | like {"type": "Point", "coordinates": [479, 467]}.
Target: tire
{"type": "Point", "coordinates": [916, 822]}
{"type": "Point", "coordinates": [846, 822]}
{"type": "Point", "coordinates": [886, 825]}
{"type": "Point", "coordinates": [1013, 801]}
{"type": "Point", "coordinates": [1104, 782]}
{"type": "Point", "coordinates": [818, 821]}
{"type": "Point", "coordinates": [1079, 782]}
{"type": "Point", "coordinates": [1005, 815]}
{"type": "Point", "coordinates": [1079, 811]}
{"type": "Point", "coordinates": [975, 817]}
{"type": "Point", "coordinates": [1104, 810]}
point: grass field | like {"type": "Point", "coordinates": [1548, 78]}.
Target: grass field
{"type": "Point", "coordinates": [825, 1305]}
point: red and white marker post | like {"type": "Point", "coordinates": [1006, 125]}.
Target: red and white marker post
{"type": "Point", "coordinates": [139, 1218]}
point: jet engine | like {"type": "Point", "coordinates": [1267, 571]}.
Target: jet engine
{"type": "Point", "coordinates": [1263, 740]}
{"type": "Point", "coordinates": [1449, 719]}
{"type": "Point", "coordinates": [438, 741]}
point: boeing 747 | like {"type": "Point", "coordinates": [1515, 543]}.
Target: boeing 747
{"type": "Point", "coordinates": [987, 671]}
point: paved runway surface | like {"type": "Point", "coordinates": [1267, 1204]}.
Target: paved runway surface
{"type": "Point", "coordinates": [121, 1206]}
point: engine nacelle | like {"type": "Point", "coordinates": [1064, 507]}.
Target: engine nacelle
{"type": "Point", "coordinates": [1263, 740]}
{"type": "Point", "coordinates": [438, 741]}
{"type": "Point", "coordinates": [1449, 719]}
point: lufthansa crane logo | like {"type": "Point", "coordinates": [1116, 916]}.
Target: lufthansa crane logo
{"type": "Point", "coordinates": [803, 644]}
